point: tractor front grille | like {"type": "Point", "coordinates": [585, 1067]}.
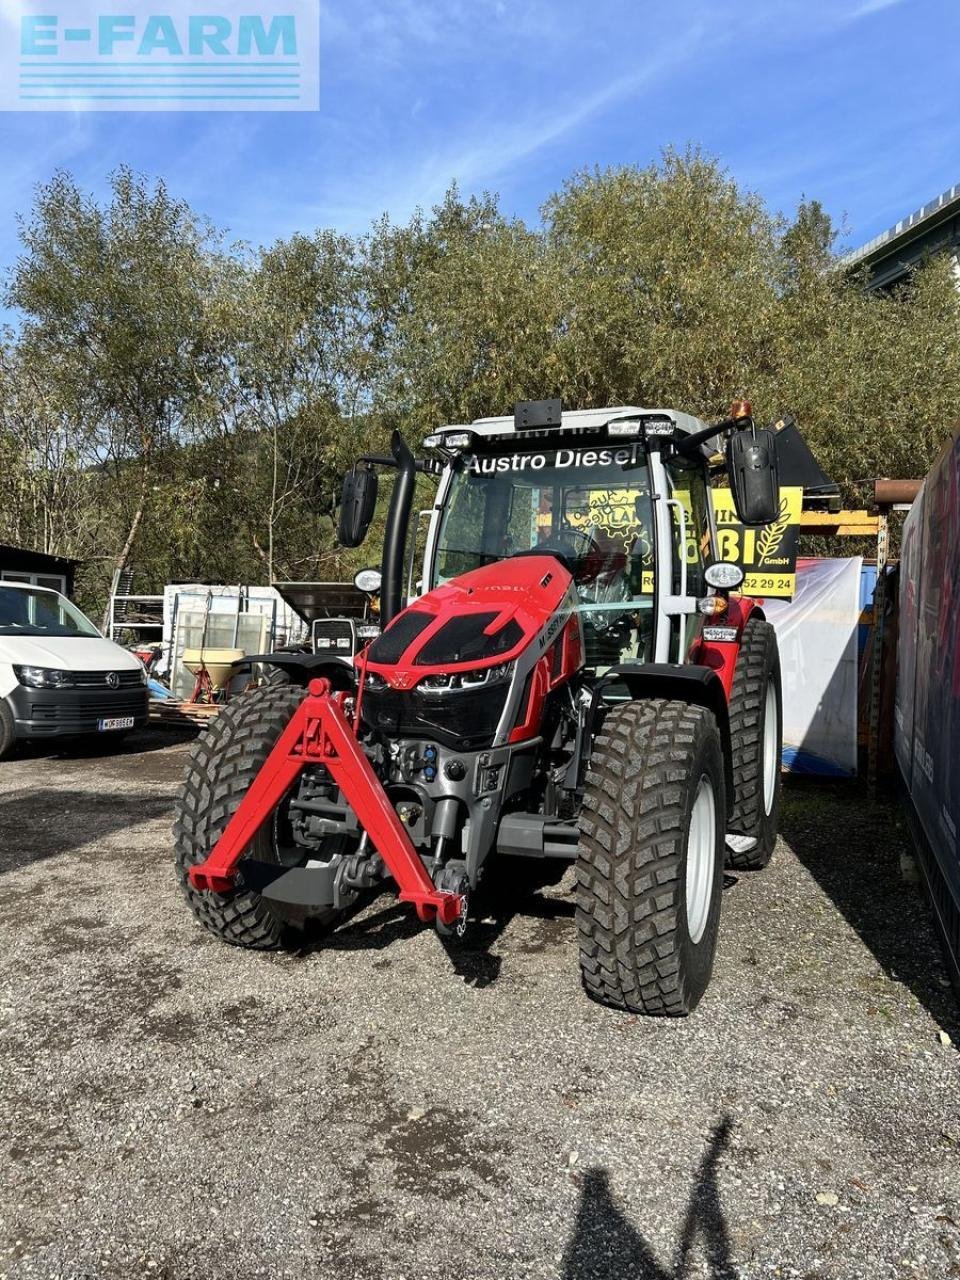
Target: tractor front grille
{"type": "Point", "coordinates": [335, 635]}
{"type": "Point", "coordinates": [462, 718]}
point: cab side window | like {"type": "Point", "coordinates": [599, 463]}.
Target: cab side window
{"type": "Point", "coordinates": [688, 486]}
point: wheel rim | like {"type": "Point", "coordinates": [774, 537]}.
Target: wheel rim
{"type": "Point", "coordinates": [701, 858]}
{"type": "Point", "coordinates": [769, 748]}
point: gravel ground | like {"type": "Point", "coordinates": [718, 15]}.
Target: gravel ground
{"type": "Point", "coordinates": [372, 1108]}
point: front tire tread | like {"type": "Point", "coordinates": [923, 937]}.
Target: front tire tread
{"type": "Point", "coordinates": [635, 951]}
{"type": "Point", "coordinates": [222, 764]}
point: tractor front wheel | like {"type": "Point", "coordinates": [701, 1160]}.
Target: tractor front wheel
{"type": "Point", "coordinates": [650, 861]}
{"type": "Point", "coordinates": [224, 761]}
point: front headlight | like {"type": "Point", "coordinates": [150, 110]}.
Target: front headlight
{"type": "Point", "coordinates": [467, 679]}
{"type": "Point", "coordinates": [42, 677]}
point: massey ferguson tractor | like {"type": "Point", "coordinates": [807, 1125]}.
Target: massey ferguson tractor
{"type": "Point", "coordinates": [574, 677]}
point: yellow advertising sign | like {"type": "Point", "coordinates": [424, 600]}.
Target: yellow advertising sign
{"type": "Point", "coordinates": [768, 555]}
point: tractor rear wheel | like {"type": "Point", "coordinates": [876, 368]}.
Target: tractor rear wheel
{"type": "Point", "coordinates": [224, 761]}
{"type": "Point", "coordinates": [650, 861]}
{"type": "Point", "coordinates": [756, 731]}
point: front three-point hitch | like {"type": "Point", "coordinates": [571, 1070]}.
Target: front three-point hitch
{"type": "Point", "coordinates": [320, 733]}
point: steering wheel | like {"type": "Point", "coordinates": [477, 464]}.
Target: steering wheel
{"type": "Point", "coordinates": [565, 553]}
{"type": "Point", "coordinates": [583, 562]}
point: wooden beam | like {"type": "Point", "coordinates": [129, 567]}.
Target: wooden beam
{"type": "Point", "coordinates": [848, 524]}
{"type": "Point", "coordinates": [888, 493]}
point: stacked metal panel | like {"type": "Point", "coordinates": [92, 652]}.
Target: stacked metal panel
{"type": "Point", "coordinates": [927, 710]}
{"type": "Point", "coordinates": [818, 637]}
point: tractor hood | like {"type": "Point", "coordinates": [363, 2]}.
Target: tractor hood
{"type": "Point", "coordinates": [483, 619]}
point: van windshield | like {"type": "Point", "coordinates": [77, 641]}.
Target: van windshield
{"type": "Point", "coordinates": [28, 612]}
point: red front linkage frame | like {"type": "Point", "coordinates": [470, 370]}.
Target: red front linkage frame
{"type": "Point", "coordinates": [320, 733]}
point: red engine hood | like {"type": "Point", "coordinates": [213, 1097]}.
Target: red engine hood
{"type": "Point", "coordinates": [486, 617]}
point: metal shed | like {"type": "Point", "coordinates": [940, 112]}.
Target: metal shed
{"type": "Point", "coordinates": [17, 564]}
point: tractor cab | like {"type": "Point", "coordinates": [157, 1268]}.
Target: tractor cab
{"type": "Point", "coordinates": [621, 496]}
{"type": "Point", "coordinates": [606, 492]}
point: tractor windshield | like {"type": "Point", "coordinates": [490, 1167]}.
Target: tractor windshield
{"type": "Point", "coordinates": [589, 505]}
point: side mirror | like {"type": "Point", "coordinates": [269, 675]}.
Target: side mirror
{"type": "Point", "coordinates": [754, 475]}
{"type": "Point", "coordinates": [357, 505]}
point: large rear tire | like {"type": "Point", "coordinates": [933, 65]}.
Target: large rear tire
{"type": "Point", "coordinates": [756, 735]}
{"type": "Point", "coordinates": [273, 676]}
{"type": "Point", "coordinates": [650, 862]}
{"type": "Point", "coordinates": [224, 761]}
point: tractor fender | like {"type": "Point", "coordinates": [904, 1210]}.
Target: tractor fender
{"type": "Point", "coordinates": [718, 646]}
{"type": "Point", "coordinates": [304, 667]}
{"type": "Point", "coordinates": [744, 607]}
{"type": "Point", "coordinates": [691, 683]}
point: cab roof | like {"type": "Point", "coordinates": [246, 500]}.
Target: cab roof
{"type": "Point", "coordinates": [575, 420]}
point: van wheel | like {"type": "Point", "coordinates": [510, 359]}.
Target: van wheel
{"type": "Point", "coordinates": [8, 732]}
{"type": "Point", "coordinates": [650, 862]}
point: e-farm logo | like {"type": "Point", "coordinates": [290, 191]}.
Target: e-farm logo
{"type": "Point", "coordinates": [178, 55]}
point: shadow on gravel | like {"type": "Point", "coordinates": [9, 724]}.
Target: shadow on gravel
{"type": "Point", "coordinates": [853, 850]}
{"type": "Point", "coordinates": [94, 747]}
{"type": "Point", "coordinates": [39, 824]}
{"type": "Point", "coordinates": [493, 909]}
{"type": "Point", "coordinates": [606, 1246]}
{"type": "Point", "coordinates": [472, 958]}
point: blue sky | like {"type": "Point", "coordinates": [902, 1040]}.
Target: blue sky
{"type": "Point", "coordinates": [850, 101]}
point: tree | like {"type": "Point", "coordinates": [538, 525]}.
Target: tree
{"type": "Point", "coordinates": [462, 312]}
{"type": "Point", "coordinates": [807, 244]}
{"type": "Point", "coordinates": [669, 285]}
{"type": "Point", "coordinates": [682, 289]}
{"type": "Point", "coordinates": [114, 303]}
{"type": "Point", "coordinates": [190, 409]}
{"type": "Point", "coordinates": [294, 376]}
{"type": "Point", "coordinates": [46, 450]}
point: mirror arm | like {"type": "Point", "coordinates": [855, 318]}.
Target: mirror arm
{"type": "Point", "coordinates": [428, 466]}
{"type": "Point", "coordinates": [690, 444]}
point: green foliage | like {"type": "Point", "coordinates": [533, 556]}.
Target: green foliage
{"type": "Point", "coordinates": [189, 409]}
{"type": "Point", "coordinates": [669, 278]}
{"type": "Point", "coordinates": [463, 312]}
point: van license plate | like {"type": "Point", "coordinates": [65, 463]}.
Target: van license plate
{"type": "Point", "coordinates": [116, 722]}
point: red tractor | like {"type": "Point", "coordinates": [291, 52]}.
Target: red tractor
{"type": "Point", "coordinates": [578, 680]}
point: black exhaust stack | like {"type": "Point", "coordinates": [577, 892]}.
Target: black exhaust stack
{"type": "Point", "coordinates": [395, 534]}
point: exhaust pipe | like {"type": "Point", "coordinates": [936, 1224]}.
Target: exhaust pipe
{"type": "Point", "coordinates": [395, 534]}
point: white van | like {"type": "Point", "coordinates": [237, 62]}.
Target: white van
{"type": "Point", "coordinates": [58, 676]}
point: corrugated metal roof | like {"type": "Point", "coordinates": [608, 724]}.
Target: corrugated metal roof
{"type": "Point", "coordinates": [915, 222]}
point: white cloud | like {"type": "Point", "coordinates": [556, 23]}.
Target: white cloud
{"type": "Point", "coordinates": [872, 6]}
